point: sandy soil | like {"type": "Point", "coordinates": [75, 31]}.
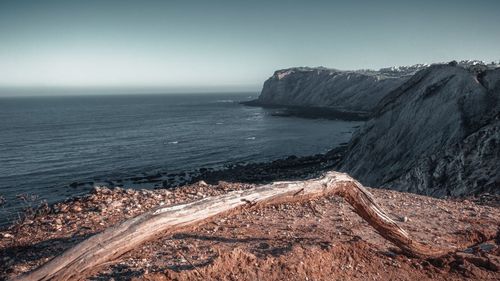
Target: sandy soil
{"type": "Point", "coordinates": [318, 240]}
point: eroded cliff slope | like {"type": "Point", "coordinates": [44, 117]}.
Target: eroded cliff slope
{"type": "Point", "coordinates": [345, 91]}
{"type": "Point", "coordinates": [438, 134]}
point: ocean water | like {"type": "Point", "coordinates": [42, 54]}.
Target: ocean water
{"type": "Point", "coordinates": [46, 143]}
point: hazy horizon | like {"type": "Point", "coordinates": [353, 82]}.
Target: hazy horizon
{"type": "Point", "coordinates": [197, 46]}
{"type": "Point", "coordinates": [9, 92]}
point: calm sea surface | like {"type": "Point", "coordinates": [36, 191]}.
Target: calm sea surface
{"type": "Point", "coordinates": [46, 143]}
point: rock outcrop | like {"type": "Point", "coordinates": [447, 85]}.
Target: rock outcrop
{"type": "Point", "coordinates": [438, 134]}
{"type": "Point", "coordinates": [351, 92]}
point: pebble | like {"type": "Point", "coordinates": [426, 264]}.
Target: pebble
{"type": "Point", "coordinates": [63, 208]}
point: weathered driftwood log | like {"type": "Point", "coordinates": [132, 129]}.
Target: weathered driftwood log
{"type": "Point", "coordinates": [110, 244]}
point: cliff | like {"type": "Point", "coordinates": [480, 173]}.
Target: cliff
{"type": "Point", "coordinates": [340, 91]}
{"type": "Point", "coordinates": [431, 130]}
{"type": "Point", "coordinates": [438, 134]}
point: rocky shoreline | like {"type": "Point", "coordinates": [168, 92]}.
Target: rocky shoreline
{"type": "Point", "coordinates": [312, 112]}
{"type": "Point", "coordinates": [289, 168]}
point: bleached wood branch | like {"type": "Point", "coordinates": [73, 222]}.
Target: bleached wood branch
{"type": "Point", "coordinates": [115, 241]}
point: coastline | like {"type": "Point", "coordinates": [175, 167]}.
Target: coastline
{"type": "Point", "coordinates": [144, 142]}
{"type": "Point", "coordinates": [312, 112]}
{"type": "Point", "coordinates": [208, 251]}
{"type": "Point", "coordinates": [288, 168]}
{"type": "Point", "coordinates": [281, 230]}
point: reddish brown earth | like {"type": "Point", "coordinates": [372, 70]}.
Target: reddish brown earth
{"type": "Point", "coordinates": [317, 240]}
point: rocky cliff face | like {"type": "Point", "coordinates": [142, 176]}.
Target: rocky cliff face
{"type": "Point", "coordinates": [432, 130]}
{"type": "Point", "coordinates": [437, 133]}
{"type": "Point", "coordinates": [344, 91]}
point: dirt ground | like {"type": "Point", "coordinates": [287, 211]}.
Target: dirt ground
{"type": "Point", "coordinates": [317, 240]}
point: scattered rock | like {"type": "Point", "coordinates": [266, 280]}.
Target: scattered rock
{"type": "Point", "coordinates": [282, 235]}
{"type": "Point", "coordinates": [6, 235]}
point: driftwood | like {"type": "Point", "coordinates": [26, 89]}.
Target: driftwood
{"type": "Point", "coordinates": [110, 244]}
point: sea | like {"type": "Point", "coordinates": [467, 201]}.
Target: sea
{"type": "Point", "coordinates": [47, 143]}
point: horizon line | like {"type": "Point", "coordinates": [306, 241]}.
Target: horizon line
{"type": "Point", "coordinates": [49, 92]}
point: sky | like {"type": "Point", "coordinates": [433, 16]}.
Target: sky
{"type": "Point", "coordinates": [229, 45]}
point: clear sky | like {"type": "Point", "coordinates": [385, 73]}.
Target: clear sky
{"type": "Point", "coordinates": [230, 44]}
